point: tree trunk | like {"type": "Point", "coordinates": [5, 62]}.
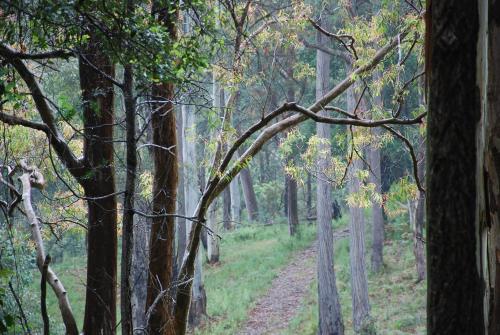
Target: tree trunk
{"type": "Point", "coordinates": [226, 203]}
{"type": "Point", "coordinates": [359, 284]}
{"type": "Point", "coordinates": [493, 158]}
{"type": "Point", "coordinates": [377, 260]}
{"type": "Point", "coordinates": [99, 187]}
{"type": "Point", "coordinates": [191, 196]}
{"type": "Point", "coordinates": [455, 232]}
{"type": "Point", "coordinates": [418, 236]}
{"type": "Point", "coordinates": [330, 317]}
{"type": "Point", "coordinates": [181, 198]}
{"type": "Point", "coordinates": [309, 195]}
{"type": "Point", "coordinates": [161, 245]}
{"type": "Point", "coordinates": [290, 183]}
{"type": "Point", "coordinates": [128, 204]}
{"type": "Point", "coordinates": [140, 266]}
{"type": "Point", "coordinates": [249, 195]}
{"type": "Point", "coordinates": [235, 200]}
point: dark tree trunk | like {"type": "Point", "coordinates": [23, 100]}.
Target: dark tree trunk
{"type": "Point", "coordinates": [98, 112]}
{"type": "Point", "coordinates": [330, 317]}
{"type": "Point", "coordinates": [493, 158]}
{"type": "Point", "coordinates": [181, 198]}
{"type": "Point", "coordinates": [456, 288]}
{"type": "Point", "coordinates": [293, 215]}
{"type": "Point", "coordinates": [128, 204]}
{"type": "Point", "coordinates": [165, 178]}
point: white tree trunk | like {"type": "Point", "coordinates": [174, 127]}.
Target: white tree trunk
{"type": "Point", "coordinates": [191, 197]}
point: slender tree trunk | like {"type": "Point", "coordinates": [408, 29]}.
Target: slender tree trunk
{"type": "Point", "coordinates": [191, 196]}
{"type": "Point", "coordinates": [359, 284]}
{"type": "Point", "coordinates": [212, 252]}
{"type": "Point", "coordinates": [249, 195]}
{"type": "Point", "coordinates": [330, 317]}
{"type": "Point", "coordinates": [98, 112]}
{"type": "Point", "coordinates": [456, 216]}
{"type": "Point", "coordinates": [128, 204]}
{"type": "Point", "coordinates": [226, 203]}
{"type": "Point", "coordinates": [235, 200]}
{"type": "Point", "coordinates": [140, 267]}
{"type": "Point", "coordinates": [377, 259]}
{"type": "Point", "coordinates": [418, 238]}
{"type": "Point", "coordinates": [493, 158]}
{"type": "Point", "coordinates": [181, 198]}
{"type": "Point", "coordinates": [290, 183]}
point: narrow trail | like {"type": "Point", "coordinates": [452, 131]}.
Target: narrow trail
{"type": "Point", "coordinates": [274, 311]}
{"type": "Point", "coordinates": [281, 303]}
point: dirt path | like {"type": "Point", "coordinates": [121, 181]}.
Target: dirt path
{"type": "Point", "coordinates": [274, 311]}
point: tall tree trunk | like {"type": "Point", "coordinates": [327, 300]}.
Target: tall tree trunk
{"type": "Point", "coordinates": [140, 267]}
{"type": "Point", "coordinates": [290, 183]}
{"type": "Point", "coordinates": [359, 284]}
{"type": "Point", "coordinates": [377, 259]}
{"type": "Point", "coordinates": [181, 198]}
{"type": "Point", "coordinates": [191, 196]}
{"type": "Point", "coordinates": [493, 158]}
{"type": "Point", "coordinates": [226, 204]}
{"type": "Point", "coordinates": [212, 250]}
{"type": "Point", "coordinates": [165, 179]}
{"type": "Point", "coordinates": [249, 195]}
{"type": "Point", "coordinates": [456, 215]}
{"type": "Point", "coordinates": [330, 317]}
{"type": "Point", "coordinates": [309, 195]}
{"type": "Point", "coordinates": [418, 235]}
{"type": "Point", "coordinates": [99, 187]}
{"type": "Point", "coordinates": [128, 204]}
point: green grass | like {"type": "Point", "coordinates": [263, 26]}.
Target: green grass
{"type": "Point", "coordinates": [250, 259]}
{"type": "Point", "coordinates": [397, 302]}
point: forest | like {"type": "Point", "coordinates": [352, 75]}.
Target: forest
{"type": "Point", "coordinates": [252, 167]}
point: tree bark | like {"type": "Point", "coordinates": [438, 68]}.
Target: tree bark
{"type": "Point", "coordinates": [181, 198]}
{"type": "Point", "coordinates": [359, 284]}
{"type": "Point", "coordinates": [191, 196]}
{"type": "Point", "coordinates": [455, 221]}
{"type": "Point", "coordinates": [235, 200]}
{"type": "Point", "coordinates": [330, 317]}
{"type": "Point", "coordinates": [493, 158]}
{"type": "Point", "coordinates": [99, 187]}
{"type": "Point", "coordinates": [418, 238]}
{"type": "Point", "coordinates": [377, 259]}
{"type": "Point", "coordinates": [128, 204]}
{"type": "Point", "coordinates": [249, 195]}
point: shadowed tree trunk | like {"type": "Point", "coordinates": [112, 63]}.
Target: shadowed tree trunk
{"type": "Point", "coordinates": [455, 232]}
{"type": "Point", "coordinates": [128, 204]}
{"type": "Point", "coordinates": [235, 200]}
{"type": "Point", "coordinates": [181, 198]}
{"type": "Point", "coordinates": [418, 236]}
{"type": "Point", "coordinates": [330, 317]}
{"type": "Point", "coordinates": [99, 186]}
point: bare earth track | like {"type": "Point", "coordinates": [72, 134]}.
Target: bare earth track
{"type": "Point", "coordinates": [274, 311]}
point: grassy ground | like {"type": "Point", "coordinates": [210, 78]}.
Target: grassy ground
{"type": "Point", "coordinates": [397, 302]}
{"type": "Point", "coordinates": [251, 257]}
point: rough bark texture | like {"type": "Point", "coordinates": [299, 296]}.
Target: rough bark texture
{"type": "Point", "coordinates": [418, 235]}
{"type": "Point", "coordinates": [128, 205]}
{"type": "Point", "coordinates": [455, 287]}
{"type": "Point", "coordinates": [99, 186]}
{"type": "Point", "coordinates": [359, 284]}
{"type": "Point", "coordinates": [161, 254]}
{"type": "Point", "coordinates": [330, 317]}
{"type": "Point", "coordinates": [493, 158]}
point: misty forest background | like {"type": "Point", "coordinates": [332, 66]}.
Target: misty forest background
{"type": "Point", "coordinates": [163, 154]}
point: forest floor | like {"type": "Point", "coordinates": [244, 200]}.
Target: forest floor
{"type": "Point", "coordinates": [274, 311]}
